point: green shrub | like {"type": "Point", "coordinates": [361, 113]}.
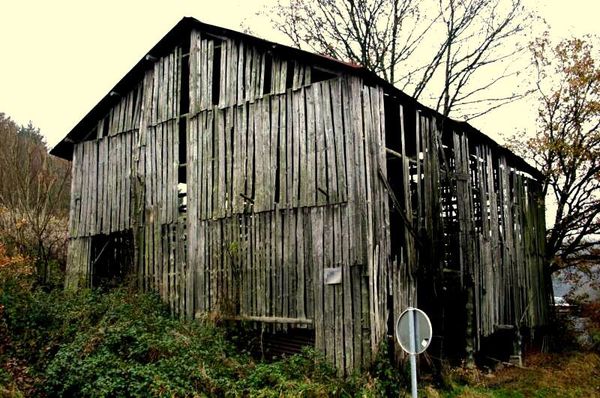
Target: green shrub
{"type": "Point", "coordinates": [125, 343]}
{"type": "Point", "coordinates": [58, 343]}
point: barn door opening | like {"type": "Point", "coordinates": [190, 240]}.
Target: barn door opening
{"type": "Point", "coordinates": [111, 259]}
{"type": "Point", "coordinates": [401, 159]}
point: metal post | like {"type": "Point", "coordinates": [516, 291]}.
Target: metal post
{"type": "Point", "coordinates": [413, 350]}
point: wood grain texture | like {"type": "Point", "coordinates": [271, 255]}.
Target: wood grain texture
{"type": "Point", "coordinates": [285, 177]}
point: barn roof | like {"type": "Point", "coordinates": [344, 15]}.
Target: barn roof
{"type": "Point", "coordinates": [175, 36]}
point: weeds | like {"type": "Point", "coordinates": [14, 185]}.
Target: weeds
{"type": "Point", "coordinates": [125, 343]}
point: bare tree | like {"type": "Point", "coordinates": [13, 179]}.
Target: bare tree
{"type": "Point", "coordinates": [33, 195]}
{"type": "Point", "coordinates": [566, 148]}
{"type": "Point", "coordinates": [378, 34]}
{"type": "Point", "coordinates": [448, 53]}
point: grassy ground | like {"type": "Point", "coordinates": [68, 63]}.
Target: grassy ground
{"type": "Point", "coordinates": [571, 375]}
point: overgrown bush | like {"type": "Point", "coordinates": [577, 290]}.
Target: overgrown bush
{"type": "Point", "coordinates": [125, 343]}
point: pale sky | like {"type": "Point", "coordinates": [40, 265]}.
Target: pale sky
{"type": "Point", "coordinates": [60, 57]}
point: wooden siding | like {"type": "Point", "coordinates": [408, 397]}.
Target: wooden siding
{"type": "Point", "coordinates": [277, 193]}
{"type": "Point", "coordinates": [287, 176]}
{"type": "Point", "coordinates": [473, 234]}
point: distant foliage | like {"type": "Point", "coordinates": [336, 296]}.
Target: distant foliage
{"type": "Point", "coordinates": [34, 197]}
{"type": "Point", "coordinates": [566, 147]}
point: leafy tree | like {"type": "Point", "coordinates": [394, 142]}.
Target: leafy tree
{"type": "Point", "coordinates": [32, 134]}
{"type": "Point", "coordinates": [448, 53]}
{"type": "Point", "coordinates": [34, 195]}
{"type": "Point", "coordinates": [566, 148]}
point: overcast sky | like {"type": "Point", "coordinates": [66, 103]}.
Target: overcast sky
{"type": "Point", "coordinates": [60, 57]}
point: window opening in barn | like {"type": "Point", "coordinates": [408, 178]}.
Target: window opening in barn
{"type": "Point", "coordinates": [319, 74]}
{"type": "Point", "coordinates": [268, 73]}
{"type": "Point", "coordinates": [289, 75]}
{"type": "Point", "coordinates": [182, 150]}
{"type": "Point", "coordinates": [184, 96]}
{"type": "Point", "coordinates": [393, 143]}
{"type": "Point", "coordinates": [184, 108]}
{"type": "Point", "coordinates": [105, 127]}
{"type": "Point", "coordinates": [182, 195]}
{"type": "Point", "coordinates": [133, 108]}
{"type": "Point", "coordinates": [111, 259]}
{"type": "Point", "coordinates": [92, 135]}
{"type": "Point", "coordinates": [182, 169]}
{"type": "Point", "coordinates": [216, 75]}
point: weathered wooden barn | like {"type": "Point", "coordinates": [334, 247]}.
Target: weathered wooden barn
{"type": "Point", "coordinates": [258, 182]}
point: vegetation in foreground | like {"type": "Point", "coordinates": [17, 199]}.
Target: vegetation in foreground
{"type": "Point", "coordinates": [124, 343]}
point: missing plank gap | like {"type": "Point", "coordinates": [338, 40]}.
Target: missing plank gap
{"type": "Point", "coordinates": [216, 75]}
{"type": "Point", "coordinates": [182, 197]}
{"type": "Point", "coordinates": [319, 75]}
{"type": "Point", "coordinates": [289, 75]}
{"type": "Point", "coordinates": [105, 127]}
{"type": "Point", "coordinates": [268, 73]}
{"type": "Point", "coordinates": [182, 142]}
{"type": "Point", "coordinates": [184, 97]}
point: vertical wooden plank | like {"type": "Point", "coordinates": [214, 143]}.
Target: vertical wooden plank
{"type": "Point", "coordinates": [283, 154]}
{"type": "Point", "coordinates": [193, 72]}
{"type": "Point", "coordinates": [210, 169]}
{"type": "Point", "coordinates": [130, 142]}
{"type": "Point", "coordinates": [329, 290]}
{"type": "Point", "coordinates": [338, 313]}
{"type": "Point", "coordinates": [220, 166]}
{"type": "Point", "coordinates": [199, 270]}
{"type": "Point", "coordinates": [248, 60]}
{"type": "Point", "coordinates": [296, 145]}
{"type": "Point", "coordinates": [309, 178]}
{"type": "Point", "coordinates": [321, 157]}
{"type": "Point", "coordinates": [192, 215]}
{"type": "Point", "coordinates": [244, 157]}
{"type": "Point", "coordinates": [292, 268]}
{"type": "Point", "coordinates": [240, 73]}
{"type": "Point", "coordinates": [305, 168]}
{"type": "Point", "coordinates": [346, 297]}
{"type": "Point", "coordinates": [290, 170]}
{"type": "Point", "coordinates": [93, 154]}
{"type": "Point", "coordinates": [251, 154]}
{"type": "Point", "coordinates": [203, 76]}
{"type": "Point", "coordinates": [338, 138]}
{"type": "Point", "coordinates": [161, 191]}
{"type": "Point", "coordinates": [316, 215]}
{"type": "Point", "coordinates": [276, 291]}
{"type": "Point", "coordinates": [238, 161]}
{"type": "Point", "coordinates": [329, 148]}
{"type": "Point", "coordinates": [300, 266]}
{"type": "Point", "coordinates": [232, 73]}
{"type": "Point", "coordinates": [274, 151]}
{"type": "Point", "coordinates": [229, 172]}
{"type": "Point", "coordinates": [223, 94]}
{"type": "Point", "coordinates": [259, 148]}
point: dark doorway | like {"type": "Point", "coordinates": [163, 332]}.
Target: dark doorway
{"type": "Point", "coordinates": [112, 259]}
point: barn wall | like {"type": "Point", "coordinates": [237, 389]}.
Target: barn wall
{"type": "Point", "coordinates": [125, 178]}
{"type": "Point", "coordinates": [283, 184]}
{"type": "Point", "coordinates": [245, 178]}
{"type": "Point", "coordinates": [472, 238]}
{"type": "Point", "coordinates": [280, 180]}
